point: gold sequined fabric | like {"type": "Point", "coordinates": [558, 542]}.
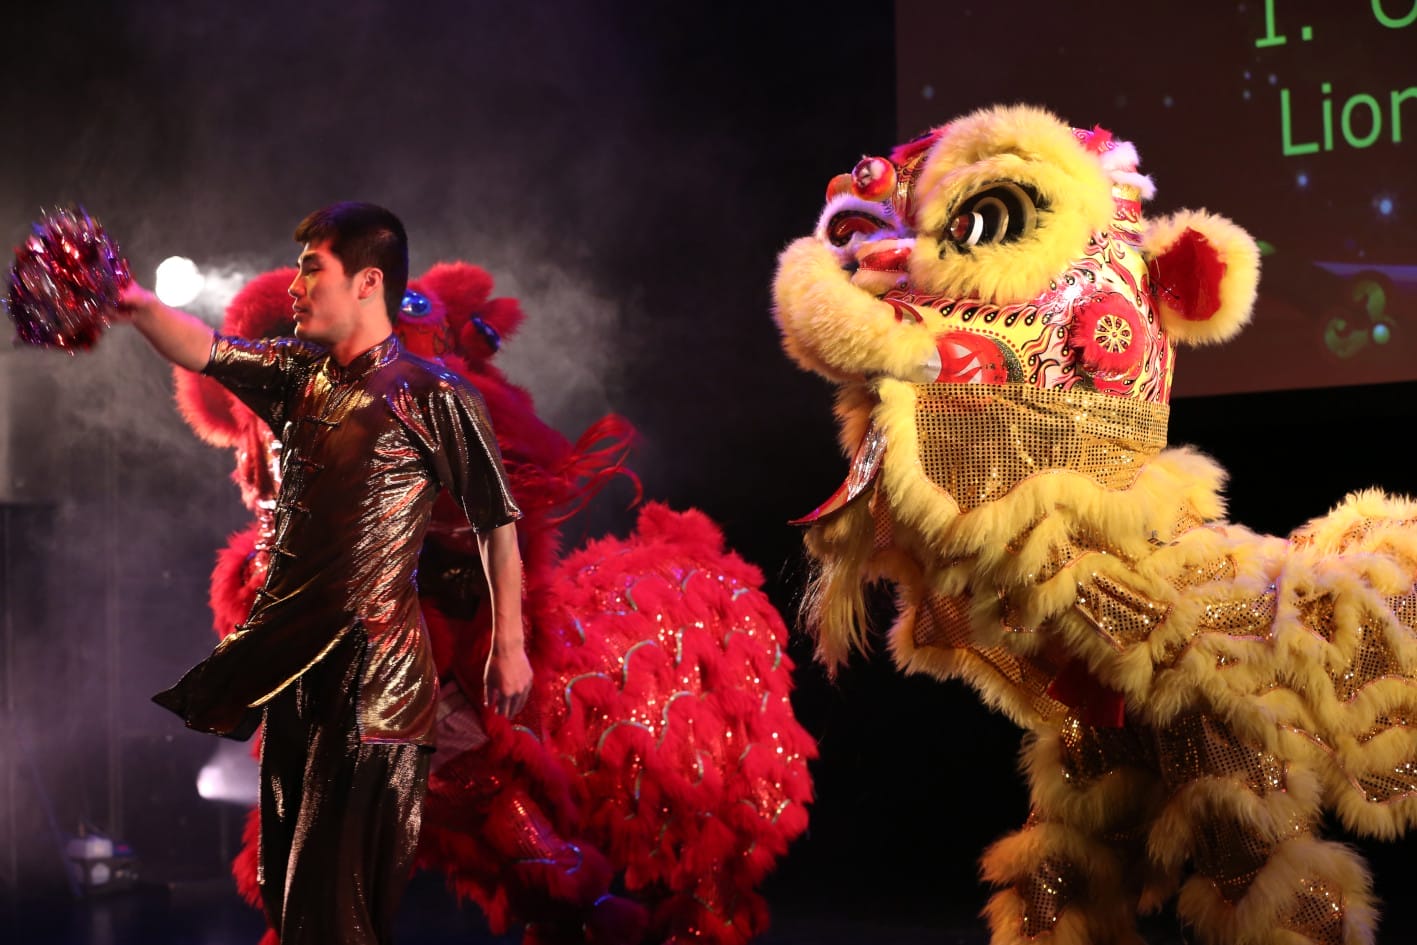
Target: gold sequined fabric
{"type": "Point", "coordinates": [1090, 752]}
{"type": "Point", "coordinates": [1373, 660]}
{"type": "Point", "coordinates": [366, 447]}
{"type": "Point", "coordinates": [944, 622]}
{"type": "Point", "coordinates": [1123, 615]}
{"type": "Point", "coordinates": [1198, 745]}
{"type": "Point", "coordinates": [1240, 616]}
{"type": "Point", "coordinates": [1404, 608]}
{"type": "Point", "coordinates": [1316, 613]}
{"type": "Point", "coordinates": [1318, 913]}
{"type": "Point", "coordinates": [1046, 891]}
{"type": "Point", "coordinates": [1218, 569]}
{"type": "Point", "coordinates": [882, 521]}
{"type": "Point", "coordinates": [1059, 555]}
{"type": "Point", "coordinates": [1356, 536]}
{"type": "Point", "coordinates": [1230, 854]}
{"type": "Point", "coordinates": [977, 442]}
{"type": "Point", "coordinates": [1383, 787]}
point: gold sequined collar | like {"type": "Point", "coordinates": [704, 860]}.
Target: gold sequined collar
{"type": "Point", "coordinates": [978, 441]}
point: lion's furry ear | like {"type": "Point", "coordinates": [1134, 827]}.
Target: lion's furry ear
{"type": "Point", "coordinates": [261, 309]}
{"type": "Point", "coordinates": [1205, 270]}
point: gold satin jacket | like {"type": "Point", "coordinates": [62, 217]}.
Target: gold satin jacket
{"type": "Point", "coordinates": [365, 450]}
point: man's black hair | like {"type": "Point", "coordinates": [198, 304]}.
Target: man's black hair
{"type": "Point", "coordinates": [362, 235]}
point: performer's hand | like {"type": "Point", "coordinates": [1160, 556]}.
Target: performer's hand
{"type": "Point", "coordinates": [507, 682]}
{"type": "Point", "coordinates": [133, 300]}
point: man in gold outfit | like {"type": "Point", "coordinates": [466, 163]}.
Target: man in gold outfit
{"type": "Point", "coordinates": [334, 657]}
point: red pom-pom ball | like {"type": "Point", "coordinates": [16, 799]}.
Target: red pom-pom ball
{"type": "Point", "coordinates": [65, 281]}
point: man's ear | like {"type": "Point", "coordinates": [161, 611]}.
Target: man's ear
{"type": "Point", "coordinates": [370, 283]}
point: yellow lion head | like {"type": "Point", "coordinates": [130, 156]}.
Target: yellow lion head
{"type": "Point", "coordinates": [1007, 247]}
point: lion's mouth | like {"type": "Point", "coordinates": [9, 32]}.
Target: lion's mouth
{"type": "Point", "coordinates": [881, 265]}
{"type": "Point", "coordinates": [886, 256]}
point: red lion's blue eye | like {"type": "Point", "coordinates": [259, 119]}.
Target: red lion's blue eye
{"type": "Point", "coordinates": [415, 305]}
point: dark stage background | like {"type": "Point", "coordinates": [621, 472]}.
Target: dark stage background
{"type": "Point", "coordinates": [630, 174]}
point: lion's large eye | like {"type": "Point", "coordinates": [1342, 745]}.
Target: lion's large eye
{"type": "Point", "coordinates": [415, 305]}
{"type": "Point", "coordinates": [1001, 213]}
{"type": "Point", "coordinates": [849, 224]}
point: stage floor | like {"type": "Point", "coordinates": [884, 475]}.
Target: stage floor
{"type": "Point", "coordinates": [210, 913]}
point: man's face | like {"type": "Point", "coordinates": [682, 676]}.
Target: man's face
{"type": "Point", "coordinates": [326, 306]}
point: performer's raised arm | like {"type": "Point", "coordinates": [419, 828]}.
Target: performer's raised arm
{"type": "Point", "coordinates": [183, 339]}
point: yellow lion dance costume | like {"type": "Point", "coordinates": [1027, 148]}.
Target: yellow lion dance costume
{"type": "Point", "coordinates": [1001, 321]}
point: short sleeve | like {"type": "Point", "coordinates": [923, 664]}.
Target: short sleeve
{"type": "Point", "coordinates": [455, 432]}
{"type": "Point", "coordinates": [262, 373]}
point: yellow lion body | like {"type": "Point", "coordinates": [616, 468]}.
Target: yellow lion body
{"type": "Point", "coordinates": [1197, 695]}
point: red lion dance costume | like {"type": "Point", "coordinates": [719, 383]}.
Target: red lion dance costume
{"type": "Point", "coordinates": [1001, 321]}
{"type": "Point", "coordinates": [659, 751]}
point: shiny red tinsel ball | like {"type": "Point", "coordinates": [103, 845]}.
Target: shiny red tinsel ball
{"type": "Point", "coordinates": [65, 281]}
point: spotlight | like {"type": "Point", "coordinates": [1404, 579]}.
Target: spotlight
{"type": "Point", "coordinates": [230, 775]}
{"type": "Point", "coordinates": [178, 281]}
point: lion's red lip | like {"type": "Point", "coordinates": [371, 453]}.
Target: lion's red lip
{"type": "Point", "coordinates": [890, 259]}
